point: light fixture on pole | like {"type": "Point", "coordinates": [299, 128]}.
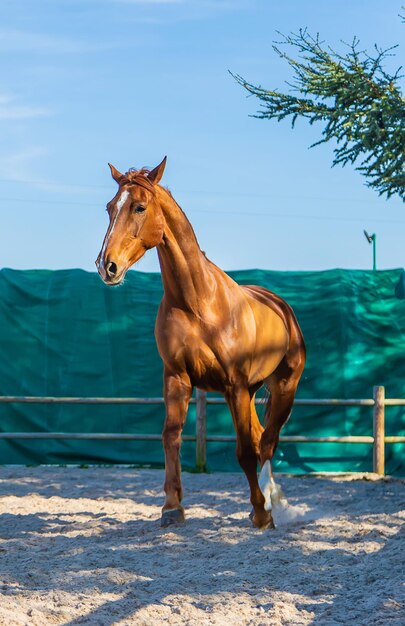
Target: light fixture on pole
{"type": "Point", "coordinates": [372, 239]}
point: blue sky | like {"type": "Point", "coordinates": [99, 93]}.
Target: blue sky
{"type": "Point", "coordinates": [84, 82]}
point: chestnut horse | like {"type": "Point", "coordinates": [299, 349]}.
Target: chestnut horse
{"type": "Point", "coordinates": [211, 333]}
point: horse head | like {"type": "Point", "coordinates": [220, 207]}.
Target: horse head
{"type": "Point", "coordinates": [136, 222]}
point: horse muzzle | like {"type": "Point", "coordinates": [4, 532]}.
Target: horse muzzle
{"type": "Point", "coordinates": [110, 272]}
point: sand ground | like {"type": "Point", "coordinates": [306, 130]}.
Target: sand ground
{"type": "Point", "coordinates": [84, 546]}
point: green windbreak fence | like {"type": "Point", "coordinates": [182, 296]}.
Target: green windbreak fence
{"type": "Point", "coordinates": [64, 333]}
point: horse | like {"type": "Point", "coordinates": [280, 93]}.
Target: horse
{"type": "Point", "coordinates": [211, 333]}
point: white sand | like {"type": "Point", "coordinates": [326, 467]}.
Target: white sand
{"type": "Point", "coordinates": [84, 546]}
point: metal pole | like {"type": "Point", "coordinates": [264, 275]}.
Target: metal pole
{"type": "Point", "coordinates": [374, 238]}
{"type": "Point", "coordinates": [201, 430]}
{"type": "Point", "coordinates": [379, 431]}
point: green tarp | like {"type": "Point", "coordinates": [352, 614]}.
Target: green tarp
{"type": "Point", "coordinates": [64, 333]}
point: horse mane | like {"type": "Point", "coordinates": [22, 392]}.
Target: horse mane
{"type": "Point", "coordinates": [139, 177]}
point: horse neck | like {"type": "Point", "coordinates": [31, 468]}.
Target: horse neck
{"type": "Point", "coordinates": [186, 272]}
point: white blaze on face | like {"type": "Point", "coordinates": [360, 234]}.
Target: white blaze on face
{"type": "Point", "coordinates": [120, 203]}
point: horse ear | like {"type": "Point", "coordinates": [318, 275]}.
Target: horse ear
{"type": "Point", "coordinates": [117, 176]}
{"type": "Point", "coordinates": [156, 174]}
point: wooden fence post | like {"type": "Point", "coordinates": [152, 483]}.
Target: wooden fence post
{"type": "Point", "coordinates": [379, 431]}
{"type": "Point", "coordinates": [201, 430]}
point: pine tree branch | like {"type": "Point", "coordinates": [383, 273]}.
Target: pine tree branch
{"type": "Point", "coordinates": [360, 104]}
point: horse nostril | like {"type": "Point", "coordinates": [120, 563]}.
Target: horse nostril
{"type": "Point", "coordinates": [111, 268]}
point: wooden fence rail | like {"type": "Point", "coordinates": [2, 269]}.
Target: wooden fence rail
{"type": "Point", "coordinates": [378, 439]}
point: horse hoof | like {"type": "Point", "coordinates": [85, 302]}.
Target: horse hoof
{"type": "Point", "coordinates": [262, 522]}
{"type": "Point", "coordinates": [270, 525]}
{"type": "Point", "coordinates": [171, 517]}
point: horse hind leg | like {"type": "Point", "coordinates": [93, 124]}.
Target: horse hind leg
{"type": "Point", "coordinates": [257, 429]}
{"type": "Point", "coordinates": [248, 432]}
{"type": "Point", "coordinates": [283, 385]}
{"type": "Point", "coordinates": [278, 414]}
{"type": "Point", "coordinates": [263, 517]}
{"type": "Point", "coordinates": [272, 492]}
{"type": "Point", "coordinates": [247, 446]}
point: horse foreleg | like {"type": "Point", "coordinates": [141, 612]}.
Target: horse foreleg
{"type": "Point", "coordinates": [247, 433]}
{"type": "Point", "coordinates": [177, 392]}
{"type": "Point", "coordinates": [256, 429]}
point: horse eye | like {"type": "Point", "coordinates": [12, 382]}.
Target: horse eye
{"type": "Point", "coordinates": [140, 209]}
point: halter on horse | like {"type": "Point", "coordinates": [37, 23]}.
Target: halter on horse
{"type": "Point", "coordinates": [211, 333]}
